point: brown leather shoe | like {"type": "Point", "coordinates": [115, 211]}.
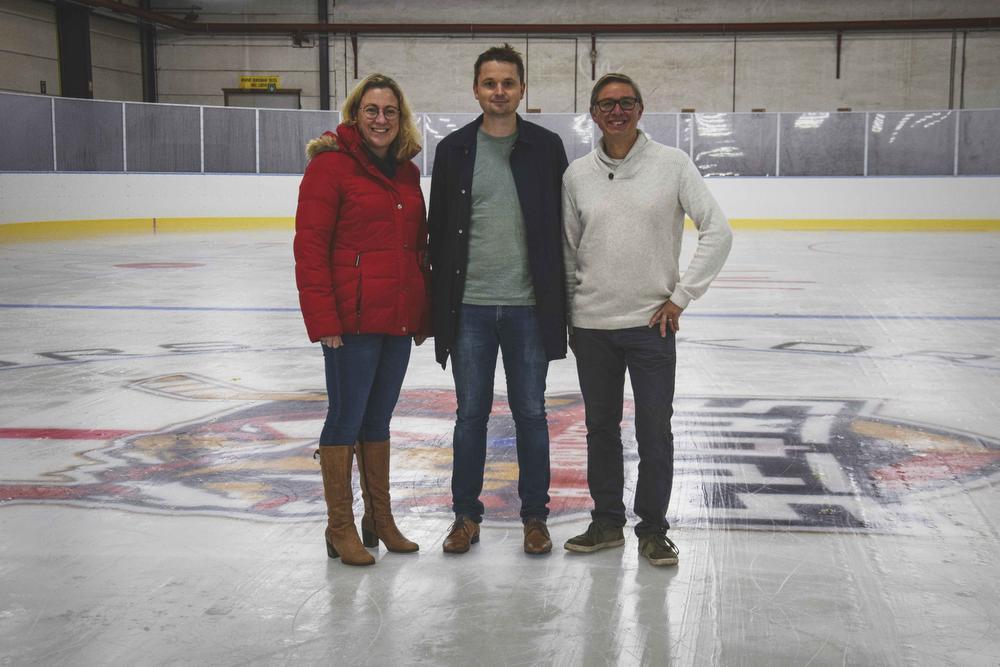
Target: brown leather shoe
{"type": "Point", "coordinates": [536, 537]}
{"type": "Point", "coordinates": [462, 534]}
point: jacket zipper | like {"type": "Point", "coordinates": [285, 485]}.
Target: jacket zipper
{"type": "Point", "coordinates": [357, 301]}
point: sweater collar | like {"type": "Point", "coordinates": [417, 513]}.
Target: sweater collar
{"type": "Point", "coordinates": [640, 144]}
{"type": "Point", "coordinates": [386, 165]}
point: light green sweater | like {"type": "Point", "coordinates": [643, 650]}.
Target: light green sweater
{"type": "Point", "coordinates": [623, 234]}
{"type": "Point", "coordinates": [498, 272]}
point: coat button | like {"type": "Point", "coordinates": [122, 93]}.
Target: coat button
{"type": "Point", "coordinates": [406, 245]}
{"type": "Point", "coordinates": [458, 271]}
{"type": "Point", "coordinates": [463, 192]}
{"type": "Point", "coordinates": [399, 206]}
{"type": "Point", "coordinates": [460, 231]}
{"type": "Point", "coordinates": [404, 329]}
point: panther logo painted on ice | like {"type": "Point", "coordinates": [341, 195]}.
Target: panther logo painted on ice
{"type": "Point", "coordinates": [806, 464]}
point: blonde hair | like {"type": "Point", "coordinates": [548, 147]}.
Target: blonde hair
{"type": "Point", "coordinates": [407, 142]}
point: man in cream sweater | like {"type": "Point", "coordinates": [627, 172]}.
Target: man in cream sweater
{"type": "Point", "coordinates": [623, 218]}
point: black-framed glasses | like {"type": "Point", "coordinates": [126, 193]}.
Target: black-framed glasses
{"type": "Point", "coordinates": [608, 105]}
{"type": "Point", "coordinates": [371, 112]}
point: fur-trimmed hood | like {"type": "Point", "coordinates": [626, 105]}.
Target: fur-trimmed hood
{"type": "Point", "coordinates": [322, 144]}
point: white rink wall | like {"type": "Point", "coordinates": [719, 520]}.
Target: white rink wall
{"type": "Point", "coordinates": [61, 197]}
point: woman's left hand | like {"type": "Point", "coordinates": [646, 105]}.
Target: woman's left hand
{"type": "Point", "coordinates": [332, 341]}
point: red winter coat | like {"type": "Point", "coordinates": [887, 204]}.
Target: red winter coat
{"type": "Point", "coordinates": [360, 244]}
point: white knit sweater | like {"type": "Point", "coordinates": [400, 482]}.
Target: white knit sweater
{"type": "Point", "coordinates": [623, 233]}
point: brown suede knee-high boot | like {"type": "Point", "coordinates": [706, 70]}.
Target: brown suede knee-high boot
{"type": "Point", "coordinates": [341, 533]}
{"type": "Point", "coordinates": [377, 523]}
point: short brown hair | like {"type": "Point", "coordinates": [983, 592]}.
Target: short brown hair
{"type": "Point", "coordinates": [407, 142]}
{"type": "Point", "coordinates": [504, 54]}
{"type": "Point", "coordinates": [614, 77]}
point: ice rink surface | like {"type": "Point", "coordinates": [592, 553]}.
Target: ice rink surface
{"type": "Point", "coordinates": [836, 500]}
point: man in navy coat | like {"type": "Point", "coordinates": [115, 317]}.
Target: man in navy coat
{"type": "Point", "coordinates": [498, 286]}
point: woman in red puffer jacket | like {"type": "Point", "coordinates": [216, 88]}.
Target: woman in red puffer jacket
{"type": "Point", "coordinates": [361, 270]}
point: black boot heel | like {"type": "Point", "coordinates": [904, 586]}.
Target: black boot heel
{"type": "Point", "coordinates": [369, 538]}
{"type": "Point", "coordinates": [330, 551]}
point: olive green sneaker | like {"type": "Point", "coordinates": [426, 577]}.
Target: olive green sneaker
{"type": "Point", "coordinates": [658, 549]}
{"type": "Point", "coordinates": [598, 536]}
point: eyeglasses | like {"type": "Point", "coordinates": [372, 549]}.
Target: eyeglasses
{"type": "Point", "coordinates": [626, 103]}
{"type": "Point", "coordinates": [371, 112]}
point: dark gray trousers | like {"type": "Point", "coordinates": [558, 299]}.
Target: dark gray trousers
{"type": "Point", "coordinates": [602, 356]}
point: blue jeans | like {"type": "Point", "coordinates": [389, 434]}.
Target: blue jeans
{"type": "Point", "coordinates": [482, 331]}
{"type": "Point", "coordinates": [363, 379]}
{"type": "Point", "coordinates": [601, 360]}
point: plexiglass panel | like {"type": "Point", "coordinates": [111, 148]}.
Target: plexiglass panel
{"type": "Point", "coordinates": [25, 133]}
{"type": "Point", "coordinates": [575, 130]}
{"type": "Point", "coordinates": [284, 135]}
{"type": "Point", "coordinates": [727, 144]}
{"type": "Point", "coordinates": [911, 143]}
{"type": "Point", "coordinates": [661, 127]}
{"type": "Point", "coordinates": [686, 121]}
{"type": "Point", "coordinates": [979, 142]}
{"type": "Point", "coordinates": [230, 141]}
{"type": "Point", "coordinates": [163, 138]}
{"type": "Point", "coordinates": [89, 135]}
{"type": "Point", "coordinates": [440, 126]}
{"type": "Point", "coordinates": [418, 120]}
{"type": "Point", "coordinates": [822, 144]}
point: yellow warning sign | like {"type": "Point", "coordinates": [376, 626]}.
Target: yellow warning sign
{"type": "Point", "coordinates": [260, 82]}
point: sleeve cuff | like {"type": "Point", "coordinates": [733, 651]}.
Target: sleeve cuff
{"type": "Point", "coordinates": [680, 298]}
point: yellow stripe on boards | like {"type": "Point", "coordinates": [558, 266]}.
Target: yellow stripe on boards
{"type": "Point", "coordinates": [169, 225]}
{"type": "Point", "coordinates": [72, 229]}
{"type": "Point", "coordinates": [56, 230]}
{"type": "Point", "coordinates": [856, 225]}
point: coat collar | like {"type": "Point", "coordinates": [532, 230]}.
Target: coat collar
{"type": "Point", "coordinates": [527, 132]}
{"type": "Point", "coordinates": [349, 141]}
